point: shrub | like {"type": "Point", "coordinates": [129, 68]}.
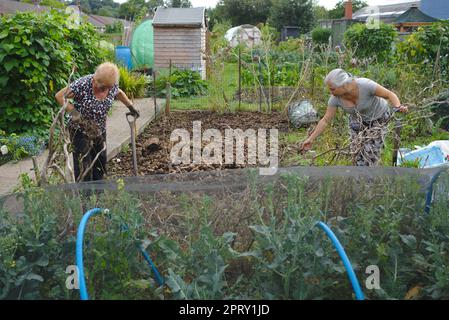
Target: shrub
{"type": "Point", "coordinates": [369, 43]}
{"type": "Point", "coordinates": [36, 55]}
{"type": "Point", "coordinates": [184, 83]}
{"type": "Point", "coordinates": [117, 27]}
{"type": "Point", "coordinates": [132, 84]}
{"type": "Point", "coordinates": [428, 47]}
{"type": "Point", "coordinates": [321, 35]}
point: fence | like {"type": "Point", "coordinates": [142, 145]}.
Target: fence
{"type": "Point", "coordinates": [235, 80]}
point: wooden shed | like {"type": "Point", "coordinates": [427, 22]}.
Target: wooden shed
{"type": "Point", "coordinates": [180, 36]}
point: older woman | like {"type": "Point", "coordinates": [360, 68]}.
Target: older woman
{"type": "Point", "coordinates": [367, 104]}
{"type": "Point", "coordinates": [92, 96]}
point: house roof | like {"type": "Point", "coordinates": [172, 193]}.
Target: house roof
{"type": "Point", "coordinates": [387, 13]}
{"type": "Point", "coordinates": [12, 7]}
{"type": "Point", "coordinates": [414, 15]}
{"type": "Point", "coordinates": [192, 17]}
{"type": "Point", "coordinates": [7, 7]}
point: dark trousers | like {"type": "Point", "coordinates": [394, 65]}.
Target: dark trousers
{"type": "Point", "coordinates": [84, 152]}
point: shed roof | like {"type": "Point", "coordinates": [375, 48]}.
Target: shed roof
{"type": "Point", "coordinates": [414, 15]}
{"type": "Point", "coordinates": [192, 17]}
{"type": "Point", "coordinates": [390, 11]}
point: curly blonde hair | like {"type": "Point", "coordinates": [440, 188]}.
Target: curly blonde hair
{"type": "Point", "coordinates": [107, 74]}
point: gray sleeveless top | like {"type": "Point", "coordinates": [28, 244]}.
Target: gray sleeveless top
{"type": "Point", "coordinates": [369, 105]}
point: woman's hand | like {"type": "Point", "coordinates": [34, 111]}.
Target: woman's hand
{"type": "Point", "coordinates": [306, 145]}
{"type": "Point", "coordinates": [402, 108]}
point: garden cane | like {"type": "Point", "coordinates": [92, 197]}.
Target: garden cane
{"type": "Point", "coordinates": [132, 125]}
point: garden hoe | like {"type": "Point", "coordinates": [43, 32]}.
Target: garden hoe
{"type": "Point", "coordinates": [132, 124]}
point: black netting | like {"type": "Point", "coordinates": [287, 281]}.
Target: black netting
{"type": "Point", "coordinates": [251, 227]}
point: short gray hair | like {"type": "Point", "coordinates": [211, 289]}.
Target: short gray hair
{"type": "Point", "coordinates": [339, 77]}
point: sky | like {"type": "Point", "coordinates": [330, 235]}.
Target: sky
{"type": "Point", "coordinates": [329, 4]}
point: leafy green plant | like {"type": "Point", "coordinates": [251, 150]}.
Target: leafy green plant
{"type": "Point", "coordinates": [116, 27]}
{"type": "Point", "coordinates": [369, 43]}
{"type": "Point", "coordinates": [321, 35]}
{"type": "Point", "coordinates": [36, 55]}
{"type": "Point", "coordinates": [133, 84]}
{"type": "Point", "coordinates": [411, 163]}
{"type": "Point", "coordinates": [19, 147]}
{"type": "Point", "coordinates": [276, 251]}
{"type": "Point", "coordinates": [429, 46]}
{"type": "Point", "coordinates": [184, 83]}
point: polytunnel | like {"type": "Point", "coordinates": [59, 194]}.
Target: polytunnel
{"type": "Point", "coordinates": [142, 45]}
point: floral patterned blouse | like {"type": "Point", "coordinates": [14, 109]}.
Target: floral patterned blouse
{"type": "Point", "coordinates": [90, 108]}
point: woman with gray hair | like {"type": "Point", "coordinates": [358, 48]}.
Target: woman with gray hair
{"type": "Point", "coordinates": [367, 104]}
{"type": "Point", "coordinates": [92, 96]}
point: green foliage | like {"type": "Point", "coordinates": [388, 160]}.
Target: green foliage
{"type": "Point", "coordinates": [321, 35]}
{"type": "Point", "coordinates": [292, 13]}
{"type": "Point", "coordinates": [184, 83]}
{"type": "Point", "coordinates": [428, 49]}
{"type": "Point", "coordinates": [36, 56]}
{"type": "Point", "coordinates": [274, 250]}
{"type": "Point", "coordinates": [338, 12]}
{"type": "Point", "coordinates": [240, 12]}
{"type": "Point", "coordinates": [319, 13]}
{"type": "Point", "coordinates": [19, 147]}
{"type": "Point", "coordinates": [117, 27]}
{"type": "Point", "coordinates": [411, 163]}
{"type": "Point", "coordinates": [132, 84]}
{"type": "Point", "coordinates": [48, 3]}
{"type": "Point", "coordinates": [133, 9]}
{"type": "Point", "coordinates": [371, 43]}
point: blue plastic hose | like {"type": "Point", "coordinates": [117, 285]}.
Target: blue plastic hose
{"type": "Point", "coordinates": [341, 252]}
{"type": "Point", "coordinates": [157, 275]}
{"type": "Point", "coordinates": [79, 254]}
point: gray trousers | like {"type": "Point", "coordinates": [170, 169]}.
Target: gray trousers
{"type": "Point", "coordinates": [367, 139]}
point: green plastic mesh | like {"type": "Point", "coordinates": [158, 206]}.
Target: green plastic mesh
{"type": "Point", "coordinates": [142, 47]}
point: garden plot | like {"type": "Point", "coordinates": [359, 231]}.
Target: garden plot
{"type": "Point", "coordinates": [233, 234]}
{"type": "Point", "coordinates": [154, 145]}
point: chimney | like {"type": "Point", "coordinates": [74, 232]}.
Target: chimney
{"type": "Point", "coordinates": [348, 10]}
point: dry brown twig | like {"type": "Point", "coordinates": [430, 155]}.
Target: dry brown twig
{"type": "Point", "coordinates": [52, 147]}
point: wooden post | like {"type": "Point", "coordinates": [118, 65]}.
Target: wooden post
{"type": "Point", "coordinates": [396, 142]}
{"type": "Point", "coordinates": [154, 93]}
{"type": "Point", "coordinates": [167, 99]}
{"type": "Point", "coordinates": [260, 85]}
{"type": "Point", "coordinates": [240, 79]}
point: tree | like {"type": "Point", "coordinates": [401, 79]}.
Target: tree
{"type": "Point", "coordinates": [292, 13]}
{"type": "Point", "coordinates": [319, 13]}
{"type": "Point", "coordinates": [131, 9]}
{"type": "Point", "coordinates": [339, 11]}
{"type": "Point", "coordinates": [106, 12]}
{"type": "Point", "coordinates": [240, 12]}
{"type": "Point", "coordinates": [180, 4]}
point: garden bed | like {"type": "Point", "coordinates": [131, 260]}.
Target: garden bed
{"type": "Point", "coordinates": [154, 146]}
